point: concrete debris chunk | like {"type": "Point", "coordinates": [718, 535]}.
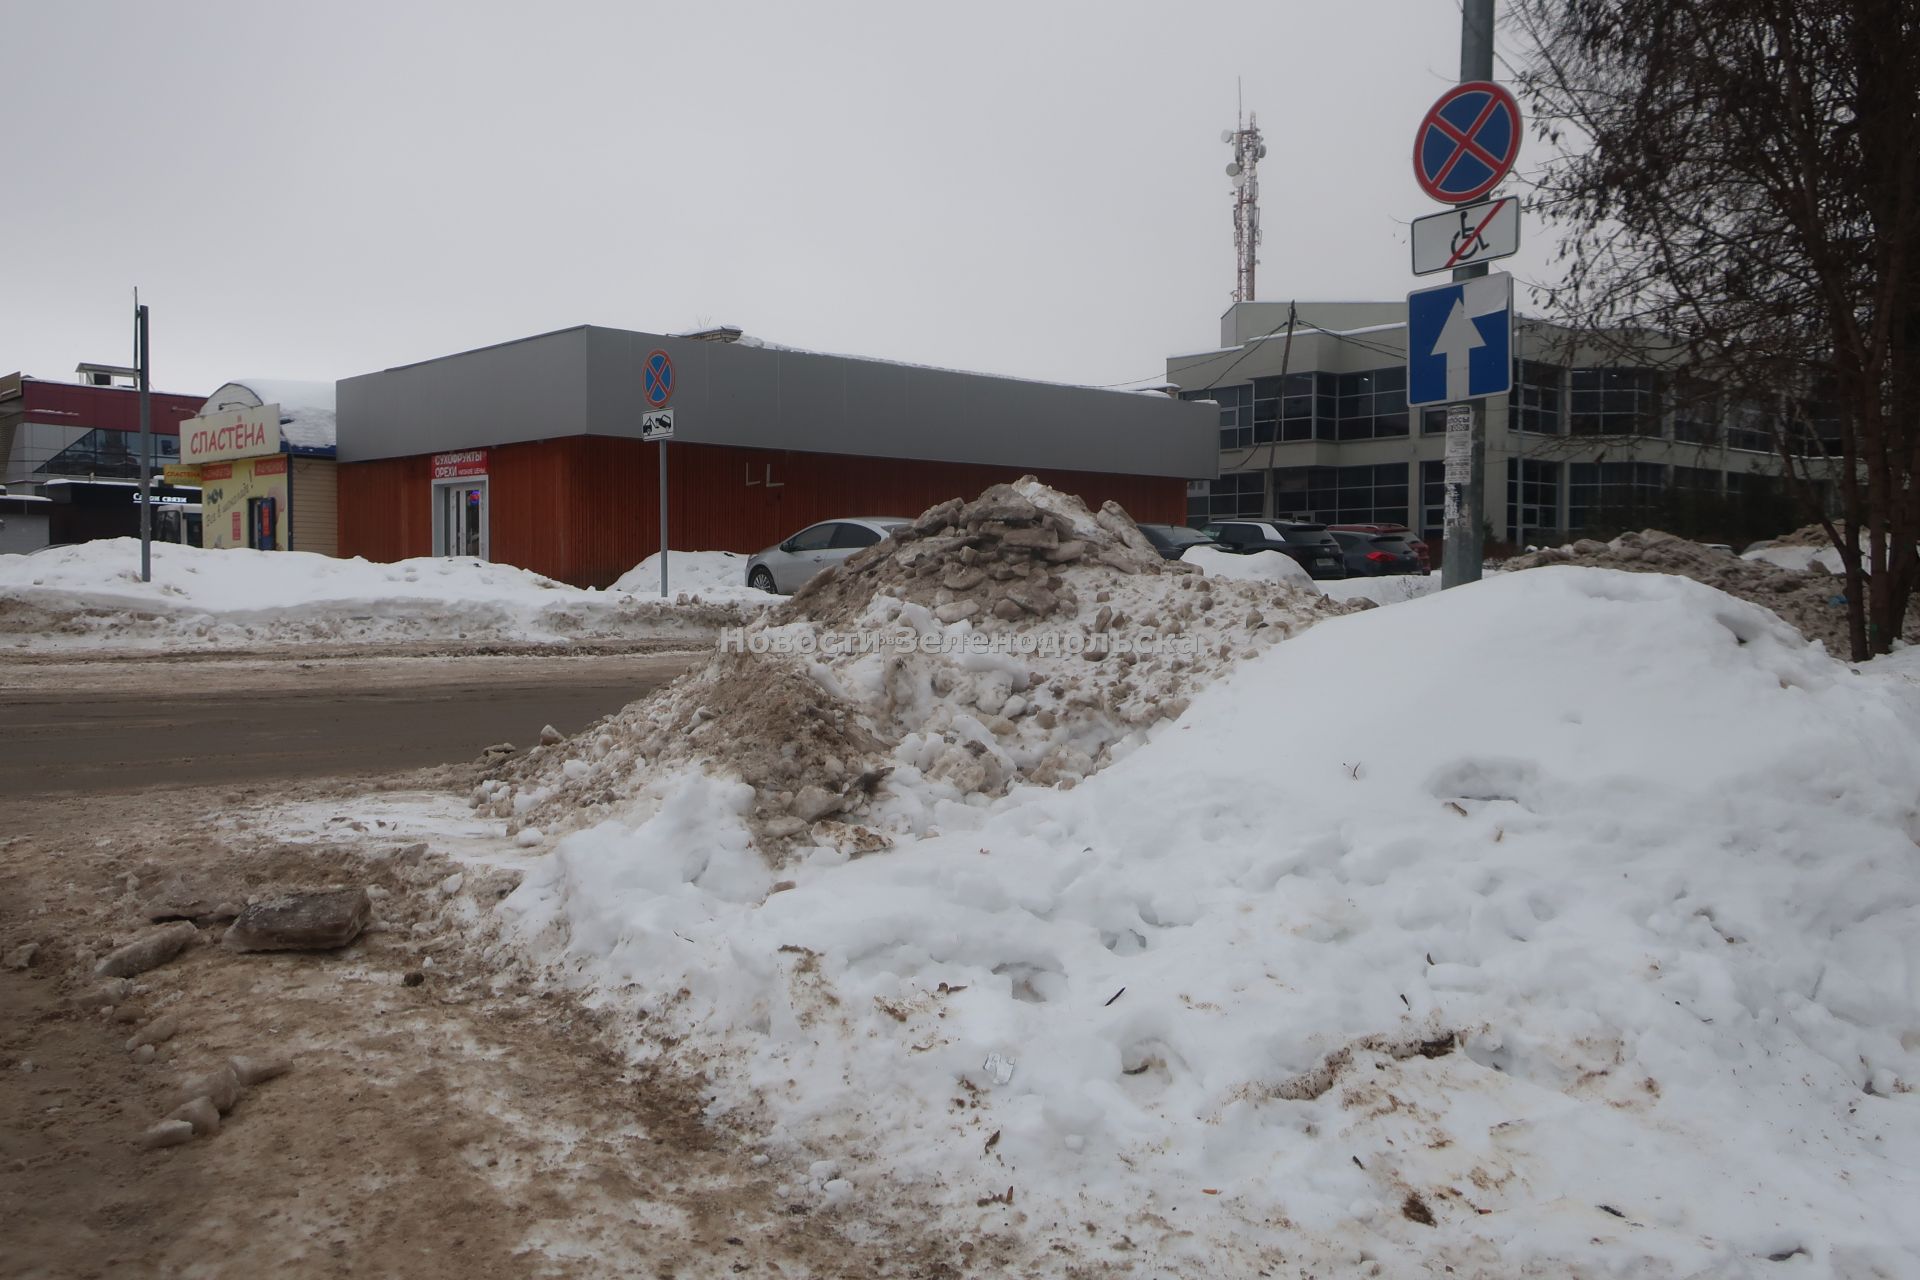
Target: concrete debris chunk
{"type": "Point", "coordinates": [201, 1114]}
{"type": "Point", "coordinates": [159, 1031]}
{"type": "Point", "coordinates": [220, 1086]}
{"type": "Point", "coordinates": [250, 1071]}
{"type": "Point", "coordinates": [22, 957]}
{"type": "Point", "coordinates": [168, 1133]}
{"type": "Point", "coordinates": [551, 737]}
{"type": "Point", "coordinates": [110, 992]}
{"type": "Point", "coordinates": [178, 900]}
{"type": "Point", "coordinates": [148, 952]}
{"type": "Point", "coordinates": [316, 921]}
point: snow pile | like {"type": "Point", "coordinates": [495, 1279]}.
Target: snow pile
{"type": "Point", "coordinates": [91, 596]}
{"type": "Point", "coordinates": [1394, 588]}
{"type": "Point", "coordinates": [1259, 566]}
{"type": "Point", "coordinates": [1813, 602]}
{"type": "Point", "coordinates": [1017, 638]}
{"type": "Point", "coordinates": [1799, 559]}
{"type": "Point", "coordinates": [1566, 925]}
{"type": "Point", "coordinates": [711, 577]}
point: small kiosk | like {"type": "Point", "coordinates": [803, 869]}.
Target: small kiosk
{"type": "Point", "coordinates": [263, 451]}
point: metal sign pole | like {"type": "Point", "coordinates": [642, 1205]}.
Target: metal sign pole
{"type": "Point", "coordinates": [1463, 552]}
{"type": "Point", "coordinates": [146, 443]}
{"type": "Point", "coordinates": [663, 518]}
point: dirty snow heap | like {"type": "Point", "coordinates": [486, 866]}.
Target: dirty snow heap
{"type": "Point", "coordinates": [1018, 638]}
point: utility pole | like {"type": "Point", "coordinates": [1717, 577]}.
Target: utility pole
{"type": "Point", "coordinates": [1463, 551]}
{"type": "Point", "coordinates": [146, 438]}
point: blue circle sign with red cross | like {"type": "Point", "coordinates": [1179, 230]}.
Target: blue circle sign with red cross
{"type": "Point", "coordinates": [1467, 143]}
{"type": "Point", "coordinates": [659, 374]}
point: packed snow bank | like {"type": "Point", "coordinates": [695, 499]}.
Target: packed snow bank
{"type": "Point", "coordinates": [91, 596]}
{"type": "Point", "coordinates": [1798, 559]}
{"type": "Point", "coordinates": [1566, 924]}
{"type": "Point", "coordinates": [1384, 589]}
{"type": "Point", "coordinates": [1813, 602]}
{"type": "Point", "coordinates": [714, 577]}
{"type": "Point", "coordinates": [1258, 566]}
{"type": "Point", "coordinates": [1016, 638]}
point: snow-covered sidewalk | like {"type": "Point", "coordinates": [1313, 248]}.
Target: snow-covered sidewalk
{"type": "Point", "coordinates": [90, 596]}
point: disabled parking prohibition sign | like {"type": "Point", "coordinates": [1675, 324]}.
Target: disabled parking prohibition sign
{"type": "Point", "coordinates": [1467, 143]}
{"type": "Point", "coordinates": [659, 378]}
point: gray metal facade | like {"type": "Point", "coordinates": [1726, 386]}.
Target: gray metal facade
{"type": "Point", "coordinates": [587, 381]}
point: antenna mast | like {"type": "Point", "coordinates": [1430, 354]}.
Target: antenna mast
{"type": "Point", "coordinates": [1248, 150]}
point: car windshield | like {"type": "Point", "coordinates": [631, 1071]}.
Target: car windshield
{"type": "Point", "coordinates": [1309, 536]}
{"type": "Point", "coordinates": [1393, 542]}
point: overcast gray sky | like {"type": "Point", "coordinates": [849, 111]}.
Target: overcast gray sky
{"type": "Point", "coordinates": [315, 190]}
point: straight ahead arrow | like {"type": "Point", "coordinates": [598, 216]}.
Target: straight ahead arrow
{"type": "Point", "coordinates": [1458, 338]}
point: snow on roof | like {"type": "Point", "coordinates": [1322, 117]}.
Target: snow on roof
{"type": "Point", "coordinates": [306, 408]}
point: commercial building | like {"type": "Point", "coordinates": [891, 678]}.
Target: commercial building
{"type": "Point", "coordinates": [1312, 420]}
{"type": "Point", "coordinates": [262, 451]}
{"type": "Point", "coordinates": [530, 452]}
{"type": "Point", "coordinates": [70, 458]}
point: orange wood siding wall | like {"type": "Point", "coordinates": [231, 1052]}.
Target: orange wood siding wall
{"type": "Point", "coordinates": [583, 509]}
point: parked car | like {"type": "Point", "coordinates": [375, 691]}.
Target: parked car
{"type": "Point", "coordinates": [1420, 548]}
{"type": "Point", "coordinates": [1371, 555]}
{"type": "Point", "coordinates": [785, 568]}
{"type": "Point", "coordinates": [1310, 545]}
{"type": "Point", "coordinates": [1172, 540]}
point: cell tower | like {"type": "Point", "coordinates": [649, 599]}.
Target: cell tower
{"type": "Point", "coordinates": [1248, 151]}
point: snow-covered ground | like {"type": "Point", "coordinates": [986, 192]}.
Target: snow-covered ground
{"type": "Point", "coordinates": [1567, 924]}
{"type": "Point", "coordinates": [713, 576]}
{"type": "Point", "coordinates": [90, 596]}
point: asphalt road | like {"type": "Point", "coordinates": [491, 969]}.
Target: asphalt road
{"type": "Point", "coordinates": [129, 725]}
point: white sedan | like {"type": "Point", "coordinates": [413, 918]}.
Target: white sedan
{"type": "Point", "coordinates": [784, 569]}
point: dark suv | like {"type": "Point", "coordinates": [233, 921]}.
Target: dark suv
{"type": "Point", "coordinates": [1172, 540]}
{"type": "Point", "coordinates": [1371, 555]}
{"type": "Point", "coordinates": [1310, 545]}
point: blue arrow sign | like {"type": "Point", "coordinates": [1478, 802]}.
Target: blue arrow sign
{"type": "Point", "coordinates": [1460, 340]}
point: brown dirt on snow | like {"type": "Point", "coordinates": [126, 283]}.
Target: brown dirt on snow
{"type": "Point", "coordinates": [442, 1120]}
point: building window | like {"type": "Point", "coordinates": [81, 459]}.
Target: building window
{"type": "Point", "coordinates": [1240, 495]}
{"type": "Point", "coordinates": [1236, 413]}
{"type": "Point", "coordinates": [1696, 480]}
{"type": "Point", "coordinates": [1533, 501]}
{"type": "Point", "coordinates": [1612, 494]}
{"type": "Point", "coordinates": [1615, 402]}
{"type": "Point", "coordinates": [1283, 408]}
{"type": "Point", "coordinates": [96, 453]}
{"type": "Point", "coordinates": [1751, 428]}
{"type": "Point", "coordinates": [1343, 495]}
{"type": "Point", "coordinates": [1372, 404]}
{"type": "Point", "coordinates": [1696, 411]}
{"type": "Point", "coordinates": [1535, 403]}
{"type": "Point", "coordinates": [1433, 420]}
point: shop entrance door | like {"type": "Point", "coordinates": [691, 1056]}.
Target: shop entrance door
{"type": "Point", "coordinates": [460, 518]}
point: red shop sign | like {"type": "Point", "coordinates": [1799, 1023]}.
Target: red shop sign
{"type": "Point", "coordinates": [455, 466]}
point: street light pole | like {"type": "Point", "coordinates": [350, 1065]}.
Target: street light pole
{"type": "Point", "coordinates": [146, 440]}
